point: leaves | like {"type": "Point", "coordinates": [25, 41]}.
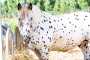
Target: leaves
{"type": "Point", "coordinates": [9, 6]}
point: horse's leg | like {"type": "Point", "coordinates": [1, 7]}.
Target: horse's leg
{"type": "Point", "coordinates": [85, 46]}
{"type": "Point", "coordinates": [44, 53]}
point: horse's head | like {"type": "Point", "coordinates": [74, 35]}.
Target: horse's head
{"type": "Point", "coordinates": [24, 18]}
{"type": "Point", "coordinates": [27, 17]}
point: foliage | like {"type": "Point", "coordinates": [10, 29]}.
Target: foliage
{"type": "Point", "coordinates": [10, 22]}
{"type": "Point", "coordinates": [8, 7]}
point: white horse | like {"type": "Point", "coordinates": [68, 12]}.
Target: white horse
{"type": "Point", "coordinates": [41, 29]}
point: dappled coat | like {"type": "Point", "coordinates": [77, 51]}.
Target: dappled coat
{"type": "Point", "coordinates": [41, 29]}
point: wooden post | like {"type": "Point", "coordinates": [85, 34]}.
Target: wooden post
{"type": "Point", "coordinates": [19, 39]}
{"type": "Point", "coordinates": [6, 44]}
{"type": "Point", "coordinates": [0, 45]}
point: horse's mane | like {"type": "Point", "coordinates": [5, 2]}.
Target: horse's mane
{"type": "Point", "coordinates": [36, 14]}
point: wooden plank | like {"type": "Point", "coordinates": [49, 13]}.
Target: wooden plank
{"type": "Point", "coordinates": [7, 18]}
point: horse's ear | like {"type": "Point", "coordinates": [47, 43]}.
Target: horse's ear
{"type": "Point", "coordinates": [30, 6]}
{"type": "Point", "coordinates": [19, 6]}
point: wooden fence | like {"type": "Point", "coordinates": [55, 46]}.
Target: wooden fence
{"type": "Point", "coordinates": [0, 44]}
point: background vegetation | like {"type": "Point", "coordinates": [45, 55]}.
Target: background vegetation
{"type": "Point", "coordinates": [8, 7]}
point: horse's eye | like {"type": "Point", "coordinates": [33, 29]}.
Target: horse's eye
{"type": "Point", "coordinates": [19, 6]}
{"type": "Point", "coordinates": [30, 6]}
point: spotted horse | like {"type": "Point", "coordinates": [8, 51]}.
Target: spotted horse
{"type": "Point", "coordinates": [41, 29]}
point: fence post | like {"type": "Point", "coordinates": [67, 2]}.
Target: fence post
{"type": "Point", "coordinates": [19, 39]}
{"type": "Point", "coordinates": [0, 44]}
{"type": "Point", "coordinates": [6, 43]}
